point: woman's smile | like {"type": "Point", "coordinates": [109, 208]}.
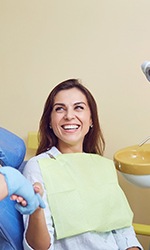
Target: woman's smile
{"type": "Point", "coordinates": [70, 127]}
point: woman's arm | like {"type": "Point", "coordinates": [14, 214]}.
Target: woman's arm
{"type": "Point", "coordinates": [37, 234]}
{"type": "Point", "coordinates": [38, 226]}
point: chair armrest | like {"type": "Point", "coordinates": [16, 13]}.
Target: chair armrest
{"type": "Point", "coordinates": [142, 229]}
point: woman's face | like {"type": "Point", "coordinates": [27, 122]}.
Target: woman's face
{"type": "Point", "coordinates": [70, 119]}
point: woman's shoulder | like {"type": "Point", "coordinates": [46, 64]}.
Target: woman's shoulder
{"type": "Point", "coordinates": [34, 160]}
{"type": "Point", "coordinates": [36, 157]}
{"type": "Point", "coordinates": [32, 164]}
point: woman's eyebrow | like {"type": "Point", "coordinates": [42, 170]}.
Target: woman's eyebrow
{"type": "Point", "coordinates": [59, 104]}
{"type": "Point", "coordinates": [74, 104]}
{"type": "Point", "coordinates": [78, 103]}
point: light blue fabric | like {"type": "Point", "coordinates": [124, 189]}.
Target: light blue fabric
{"type": "Point", "coordinates": [19, 185]}
{"type": "Point", "coordinates": [12, 149]}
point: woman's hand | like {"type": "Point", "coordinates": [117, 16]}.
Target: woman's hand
{"type": "Point", "coordinates": [28, 199]}
{"type": "Point", "coordinates": [37, 189]}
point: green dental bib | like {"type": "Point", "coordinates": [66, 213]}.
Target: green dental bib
{"type": "Point", "coordinates": [84, 195]}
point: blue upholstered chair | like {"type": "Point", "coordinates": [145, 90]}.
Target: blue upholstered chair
{"type": "Point", "coordinates": [12, 153]}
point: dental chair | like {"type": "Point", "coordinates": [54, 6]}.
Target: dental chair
{"type": "Point", "coordinates": [12, 153]}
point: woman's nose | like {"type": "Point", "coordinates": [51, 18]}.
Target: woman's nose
{"type": "Point", "coordinates": [70, 114]}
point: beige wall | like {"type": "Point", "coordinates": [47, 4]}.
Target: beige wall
{"type": "Point", "coordinates": [102, 42]}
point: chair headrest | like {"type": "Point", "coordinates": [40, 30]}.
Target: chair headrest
{"type": "Point", "coordinates": [12, 149]}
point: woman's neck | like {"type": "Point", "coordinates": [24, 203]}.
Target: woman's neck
{"type": "Point", "coordinates": [66, 149]}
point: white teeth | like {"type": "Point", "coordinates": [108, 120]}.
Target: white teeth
{"type": "Point", "coordinates": [70, 127]}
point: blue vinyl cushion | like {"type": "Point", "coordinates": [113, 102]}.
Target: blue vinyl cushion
{"type": "Point", "coordinates": [12, 149]}
{"type": "Point", "coordinates": [11, 226]}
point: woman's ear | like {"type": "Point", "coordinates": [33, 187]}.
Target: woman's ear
{"type": "Point", "coordinates": [91, 123]}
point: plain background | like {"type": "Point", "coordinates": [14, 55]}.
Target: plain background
{"type": "Point", "coordinates": [101, 42]}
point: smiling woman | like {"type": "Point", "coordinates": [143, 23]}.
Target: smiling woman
{"type": "Point", "coordinates": [79, 185]}
{"type": "Point", "coordinates": [66, 99]}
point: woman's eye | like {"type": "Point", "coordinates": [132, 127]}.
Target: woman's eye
{"type": "Point", "coordinates": [59, 109]}
{"type": "Point", "coordinates": [79, 107]}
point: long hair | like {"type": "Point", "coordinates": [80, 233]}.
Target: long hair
{"type": "Point", "coordinates": [93, 142]}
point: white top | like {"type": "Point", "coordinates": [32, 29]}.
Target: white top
{"type": "Point", "coordinates": [120, 239]}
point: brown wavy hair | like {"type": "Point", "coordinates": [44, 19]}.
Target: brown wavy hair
{"type": "Point", "coordinates": [93, 142]}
